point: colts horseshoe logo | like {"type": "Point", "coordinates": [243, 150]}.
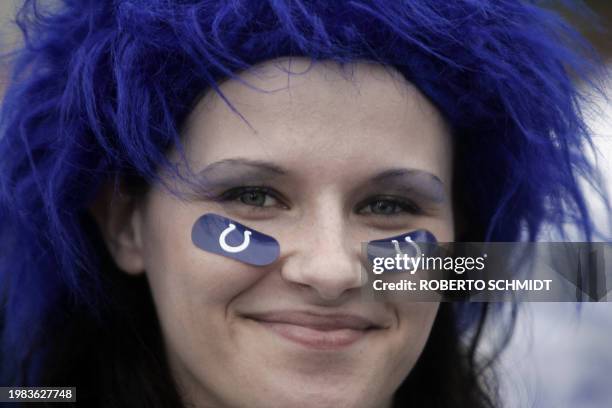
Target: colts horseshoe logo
{"type": "Point", "coordinates": [417, 249]}
{"type": "Point", "coordinates": [223, 236]}
{"type": "Point", "coordinates": [411, 244]}
{"type": "Point", "coordinates": [234, 249]}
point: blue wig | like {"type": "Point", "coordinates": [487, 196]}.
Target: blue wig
{"type": "Point", "coordinates": [100, 90]}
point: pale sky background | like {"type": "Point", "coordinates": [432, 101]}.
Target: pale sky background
{"type": "Point", "coordinates": [561, 353]}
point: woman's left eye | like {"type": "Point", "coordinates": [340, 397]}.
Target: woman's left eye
{"type": "Point", "coordinates": [389, 206]}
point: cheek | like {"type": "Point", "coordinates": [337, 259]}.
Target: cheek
{"type": "Point", "coordinates": [404, 346]}
{"type": "Point", "coordinates": [415, 322]}
{"type": "Point", "coordinates": [187, 282]}
{"type": "Point", "coordinates": [442, 227]}
{"type": "Point", "coordinates": [184, 273]}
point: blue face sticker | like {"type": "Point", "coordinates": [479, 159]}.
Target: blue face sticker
{"type": "Point", "coordinates": [223, 236]}
{"type": "Point", "coordinates": [411, 244]}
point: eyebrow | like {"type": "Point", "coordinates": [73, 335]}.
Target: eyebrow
{"type": "Point", "coordinates": [245, 164]}
{"type": "Point", "coordinates": [414, 180]}
{"type": "Point", "coordinates": [233, 171]}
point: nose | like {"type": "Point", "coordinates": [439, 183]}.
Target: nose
{"type": "Point", "coordinates": [324, 258]}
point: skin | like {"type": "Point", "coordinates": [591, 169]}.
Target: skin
{"type": "Point", "coordinates": [331, 131]}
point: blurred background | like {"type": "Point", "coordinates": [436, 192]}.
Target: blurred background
{"type": "Point", "coordinates": [561, 353]}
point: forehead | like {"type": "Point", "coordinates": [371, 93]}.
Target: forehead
{"type": "Point", "coordinates": [319, 118]}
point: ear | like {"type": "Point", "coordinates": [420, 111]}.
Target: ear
{"type": "Point", "coordinates": [119, 217]}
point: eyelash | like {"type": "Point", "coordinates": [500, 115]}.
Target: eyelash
{"type": "Point", "coordinates": [235, 194]}
{"type": "Point", "coordinates": [405, 206]}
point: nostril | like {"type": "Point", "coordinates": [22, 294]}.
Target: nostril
{"type": "Point", "coordinates": [329, 276]}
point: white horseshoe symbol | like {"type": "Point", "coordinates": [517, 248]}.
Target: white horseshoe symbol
{"type": "Point", "coordinates": [414, 245]}
{"type": "Point", "coordinates": [411, 242]}
{"type": "Point", "coordinates": [397, 247]}
{"type": "Point", "coordinates": [234, 249]}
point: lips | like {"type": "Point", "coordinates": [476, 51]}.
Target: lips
{"type": "Point", "coordinates": [318, 331]}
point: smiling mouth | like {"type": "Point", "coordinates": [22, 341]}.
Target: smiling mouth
{"type": "Point", "coordinates": [316, 331]}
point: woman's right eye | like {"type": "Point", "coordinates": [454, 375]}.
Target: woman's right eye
{"type": "Point", "coordinates": [252, 196]}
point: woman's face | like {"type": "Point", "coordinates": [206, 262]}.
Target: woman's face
{"type": "Point", "coordinates": [323, 162]}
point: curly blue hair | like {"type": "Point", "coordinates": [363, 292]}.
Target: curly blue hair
{"type": "Point", "coordinates": [101, 89]}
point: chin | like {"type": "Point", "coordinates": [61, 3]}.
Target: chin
{"type": "Point", "coordinates": [316, 397]}
{"type": "Point", "coordinates": [320, 391]}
